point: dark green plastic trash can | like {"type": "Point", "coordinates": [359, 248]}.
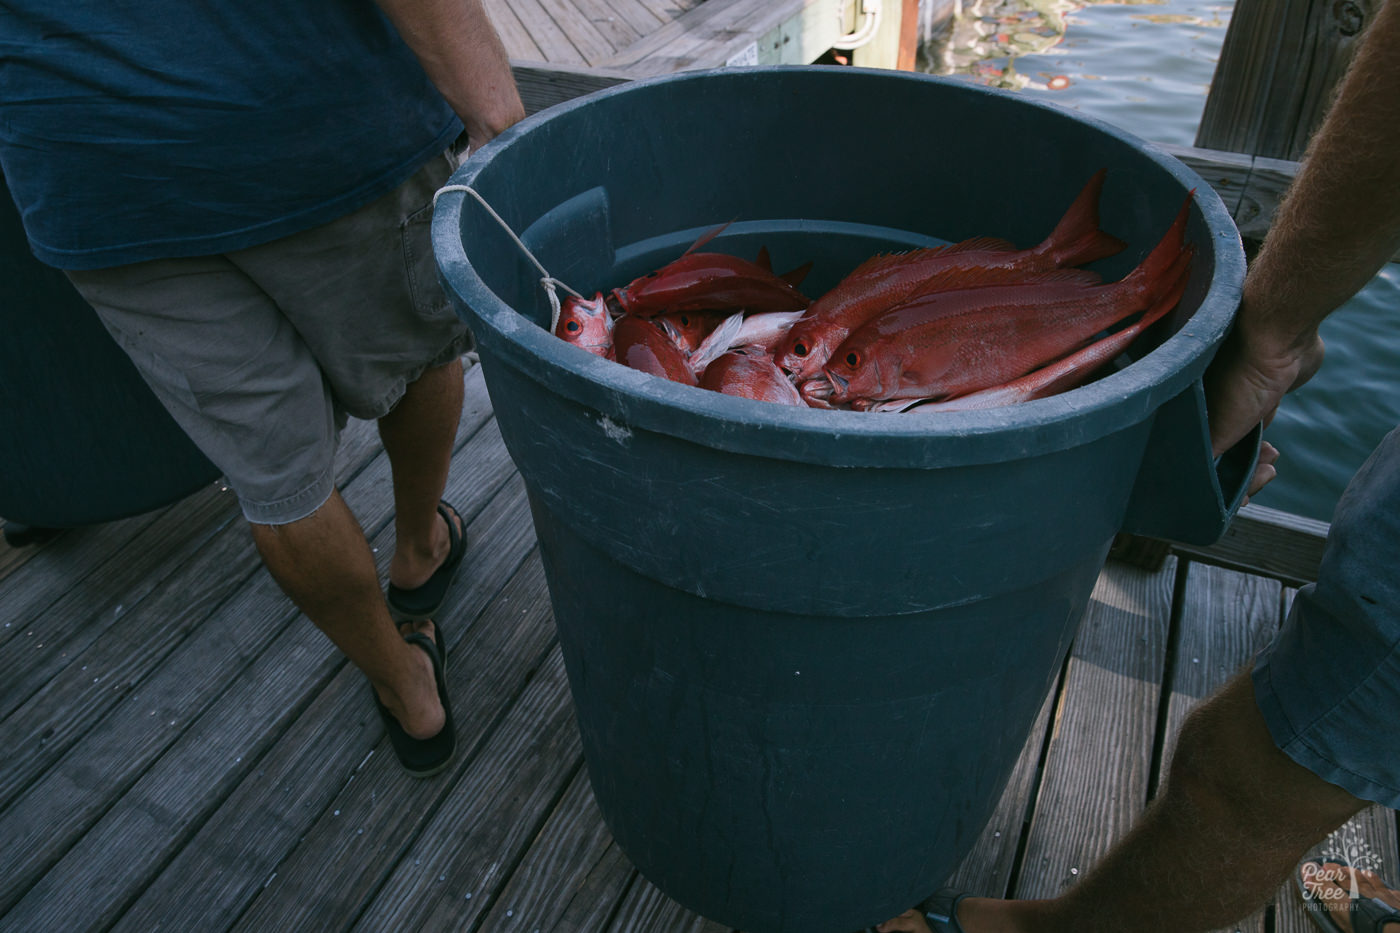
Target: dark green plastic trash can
{"type": "Point", "coordinates": [82, 439]}
{"type": "Point", "coordinates": [806, 647]}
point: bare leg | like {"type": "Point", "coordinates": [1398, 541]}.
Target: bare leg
{"type": "Point", "coordinates": [324, 564]}
{"type": "Point", "coordinates": [1236, 817]}
{"type": "Point", "coordinates": [418, 436]}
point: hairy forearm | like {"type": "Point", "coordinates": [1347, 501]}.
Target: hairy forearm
{"type": "Point", "coordinates": [463, 57]}
{"type": "Point", "coordinates": [1341, 220]}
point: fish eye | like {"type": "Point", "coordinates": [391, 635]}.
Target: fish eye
{"type": "Point", "coordinates": [572, 327]}
{"type": "Point", "coordinates": [685, 320]}
{"type": "Point", "coordinates": [799, 349]}
{"type": "Point", "coordinates": [853, 359]}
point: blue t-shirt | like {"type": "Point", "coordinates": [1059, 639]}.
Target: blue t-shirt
{"type": "Point", "coordinates": [144, 129]}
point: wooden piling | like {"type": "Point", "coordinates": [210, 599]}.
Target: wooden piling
{"type": "Point", "coordinates": [1278, 68]}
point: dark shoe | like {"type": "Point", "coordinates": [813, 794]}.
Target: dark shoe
{"type": "Point", "coordinates": [423, 602]}
{"type": "Point", "coordinates": [422, 757]}
{"type": "Point", "coordinates": [439, 642]}
{"type": "Point", "coordinates": [1367, 914]}
{"type": "Point", "coordinates": [941, 911]}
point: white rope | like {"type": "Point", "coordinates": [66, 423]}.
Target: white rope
{"type": "Point", "coordinates": [548, 281]}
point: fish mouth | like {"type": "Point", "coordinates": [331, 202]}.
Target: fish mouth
{"type": "Point", "coordinates": [839, 386]}
{"type": "Point", "coordinates": [817, 388]}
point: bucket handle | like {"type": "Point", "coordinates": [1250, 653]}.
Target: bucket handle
{"type": "Point", "coordinates": [1182, 493]}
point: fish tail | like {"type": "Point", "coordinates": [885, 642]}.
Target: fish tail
{"type": "Point", "coordinates": [707, 236]}
{"type": "Point", "coordinates": [1167, 260]}
{"type": "Point", "coordinates": [795, 276]}
{"type": "Point", "coordinates": [1178, 275]}
{"type": "Point", "coordinates": [1077, 239]}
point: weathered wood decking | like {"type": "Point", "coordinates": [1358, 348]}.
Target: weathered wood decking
{"type": "Point", "coordinates": [184, 752]}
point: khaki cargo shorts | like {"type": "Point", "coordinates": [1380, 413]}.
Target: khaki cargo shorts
{"type": "Point", "coordinates": [261, 354]}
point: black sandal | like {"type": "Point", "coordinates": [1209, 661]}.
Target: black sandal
{"type": "Point", "coordinates": [1367, 914]}
{"type": "Point", "coordinates": [940, 910]}
{"type": "Point", "coordinates": [422, 757]}
{"type": "Point", "coordinates": [423, 602]}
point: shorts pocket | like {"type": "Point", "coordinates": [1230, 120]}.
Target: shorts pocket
{"type": "Point", "coordinates": [420, 267]}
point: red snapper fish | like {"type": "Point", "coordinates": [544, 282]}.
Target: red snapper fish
{"type": "Point", "coordinates": [952, 343]}
{"type": "Point", "coordinates": [710, 282]}
{"type": "Point", "coordinates": [586, 324]}
{"type": "Point", "coordinates": [882, 282]}
{"type": "Point", "coordinates": [1066, 373]}
{"type": "Point", "coordinates": [753, 376]}
{"type": "Point", "coordinates": [640, 344]}
{"type": "Point", "coordinates": [688, 329]}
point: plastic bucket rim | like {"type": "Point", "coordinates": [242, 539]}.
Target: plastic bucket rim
{"type": "Point", "coordinates": [1164, 370]}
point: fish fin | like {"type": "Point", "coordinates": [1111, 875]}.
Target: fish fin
{"type": "Point", "coordinates": [763, 260]}
{"type": "Point", "coordinates": [794, 277]}
{"type": "Point", "coordinates": [984, 278]}
{"type": "Point", "coordinates": [719, 340]}
{"type": "Point", "coordinates": [894, 404]}
{"type": "Point", "coordinates": [707, 237]}
{"type": "Point", "coordinates": [1065, 276]}
{"type": "Point", "coordinates": [988, 244]}
{"type": "Point", "coordinates": [1077, 239]}
{"type": "Point", "coordinates": [883, 261]}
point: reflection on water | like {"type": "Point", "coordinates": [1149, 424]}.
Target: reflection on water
{"type": "Point", "coordinates": [985, 38]}
{"type": "Point", "coordinates": [1146, 67]}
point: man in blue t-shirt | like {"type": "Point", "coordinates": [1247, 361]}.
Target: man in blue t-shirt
{"type": "Point", "coordinates": [243, 192]}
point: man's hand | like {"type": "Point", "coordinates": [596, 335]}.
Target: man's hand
{"type": "Point", "coordinates": [1244, 385]}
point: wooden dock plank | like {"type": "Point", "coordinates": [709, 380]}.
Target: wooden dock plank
{"type": "Point", "coordinates": [1269, 180]}
{"type": "Point", "coordinates": [81, 696]}
{"type": "Point", "coordinates": [320, 765]}
{"type": "Point", "coordinates": [553, 42]}
{"type": "Point", "coordinates": [122, 654]}
{"type": "Point", "coordinates": [1099, 759]}
{"type": "Point", "coordinates": [55, 624]}
{"type": "Point", "coordinates": [705, 36]}
{"type": "Point", "coordinates": [146, 717]}
{"type": "Point", "coordinates": [82, 581]}
{"type": "Point", "coordinates": [618, 22]}
{"type": "Point", "coordinates": [51, 815]}
{"type": "Point", "coordinates": [52, 566]}
{"type": "Point", "coordinates": [1268, 543]}
{"type": "Point", "coordinates": [457, 865]}
{"type": "Point", "coordinates": [543, 85]}
{"type": "Point", "coordinates": [640, 18]}
{"type": "Point", "coordinates": [518, 42]}
{"type": "Point", "coordinates": [595, 903]}
{"type": "Point", "coordinates": [667, 10]}
{"type": "Point", "coordinates": [581, 28]}
{"type": "Point", "coordinates": [645, 909]}
{"type": "Point", "coordinates": [1226, 618]}
{"type": "Point", "coordinates": [572, 865]}
{"type": "Point", "coordinates": [290, 687]}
